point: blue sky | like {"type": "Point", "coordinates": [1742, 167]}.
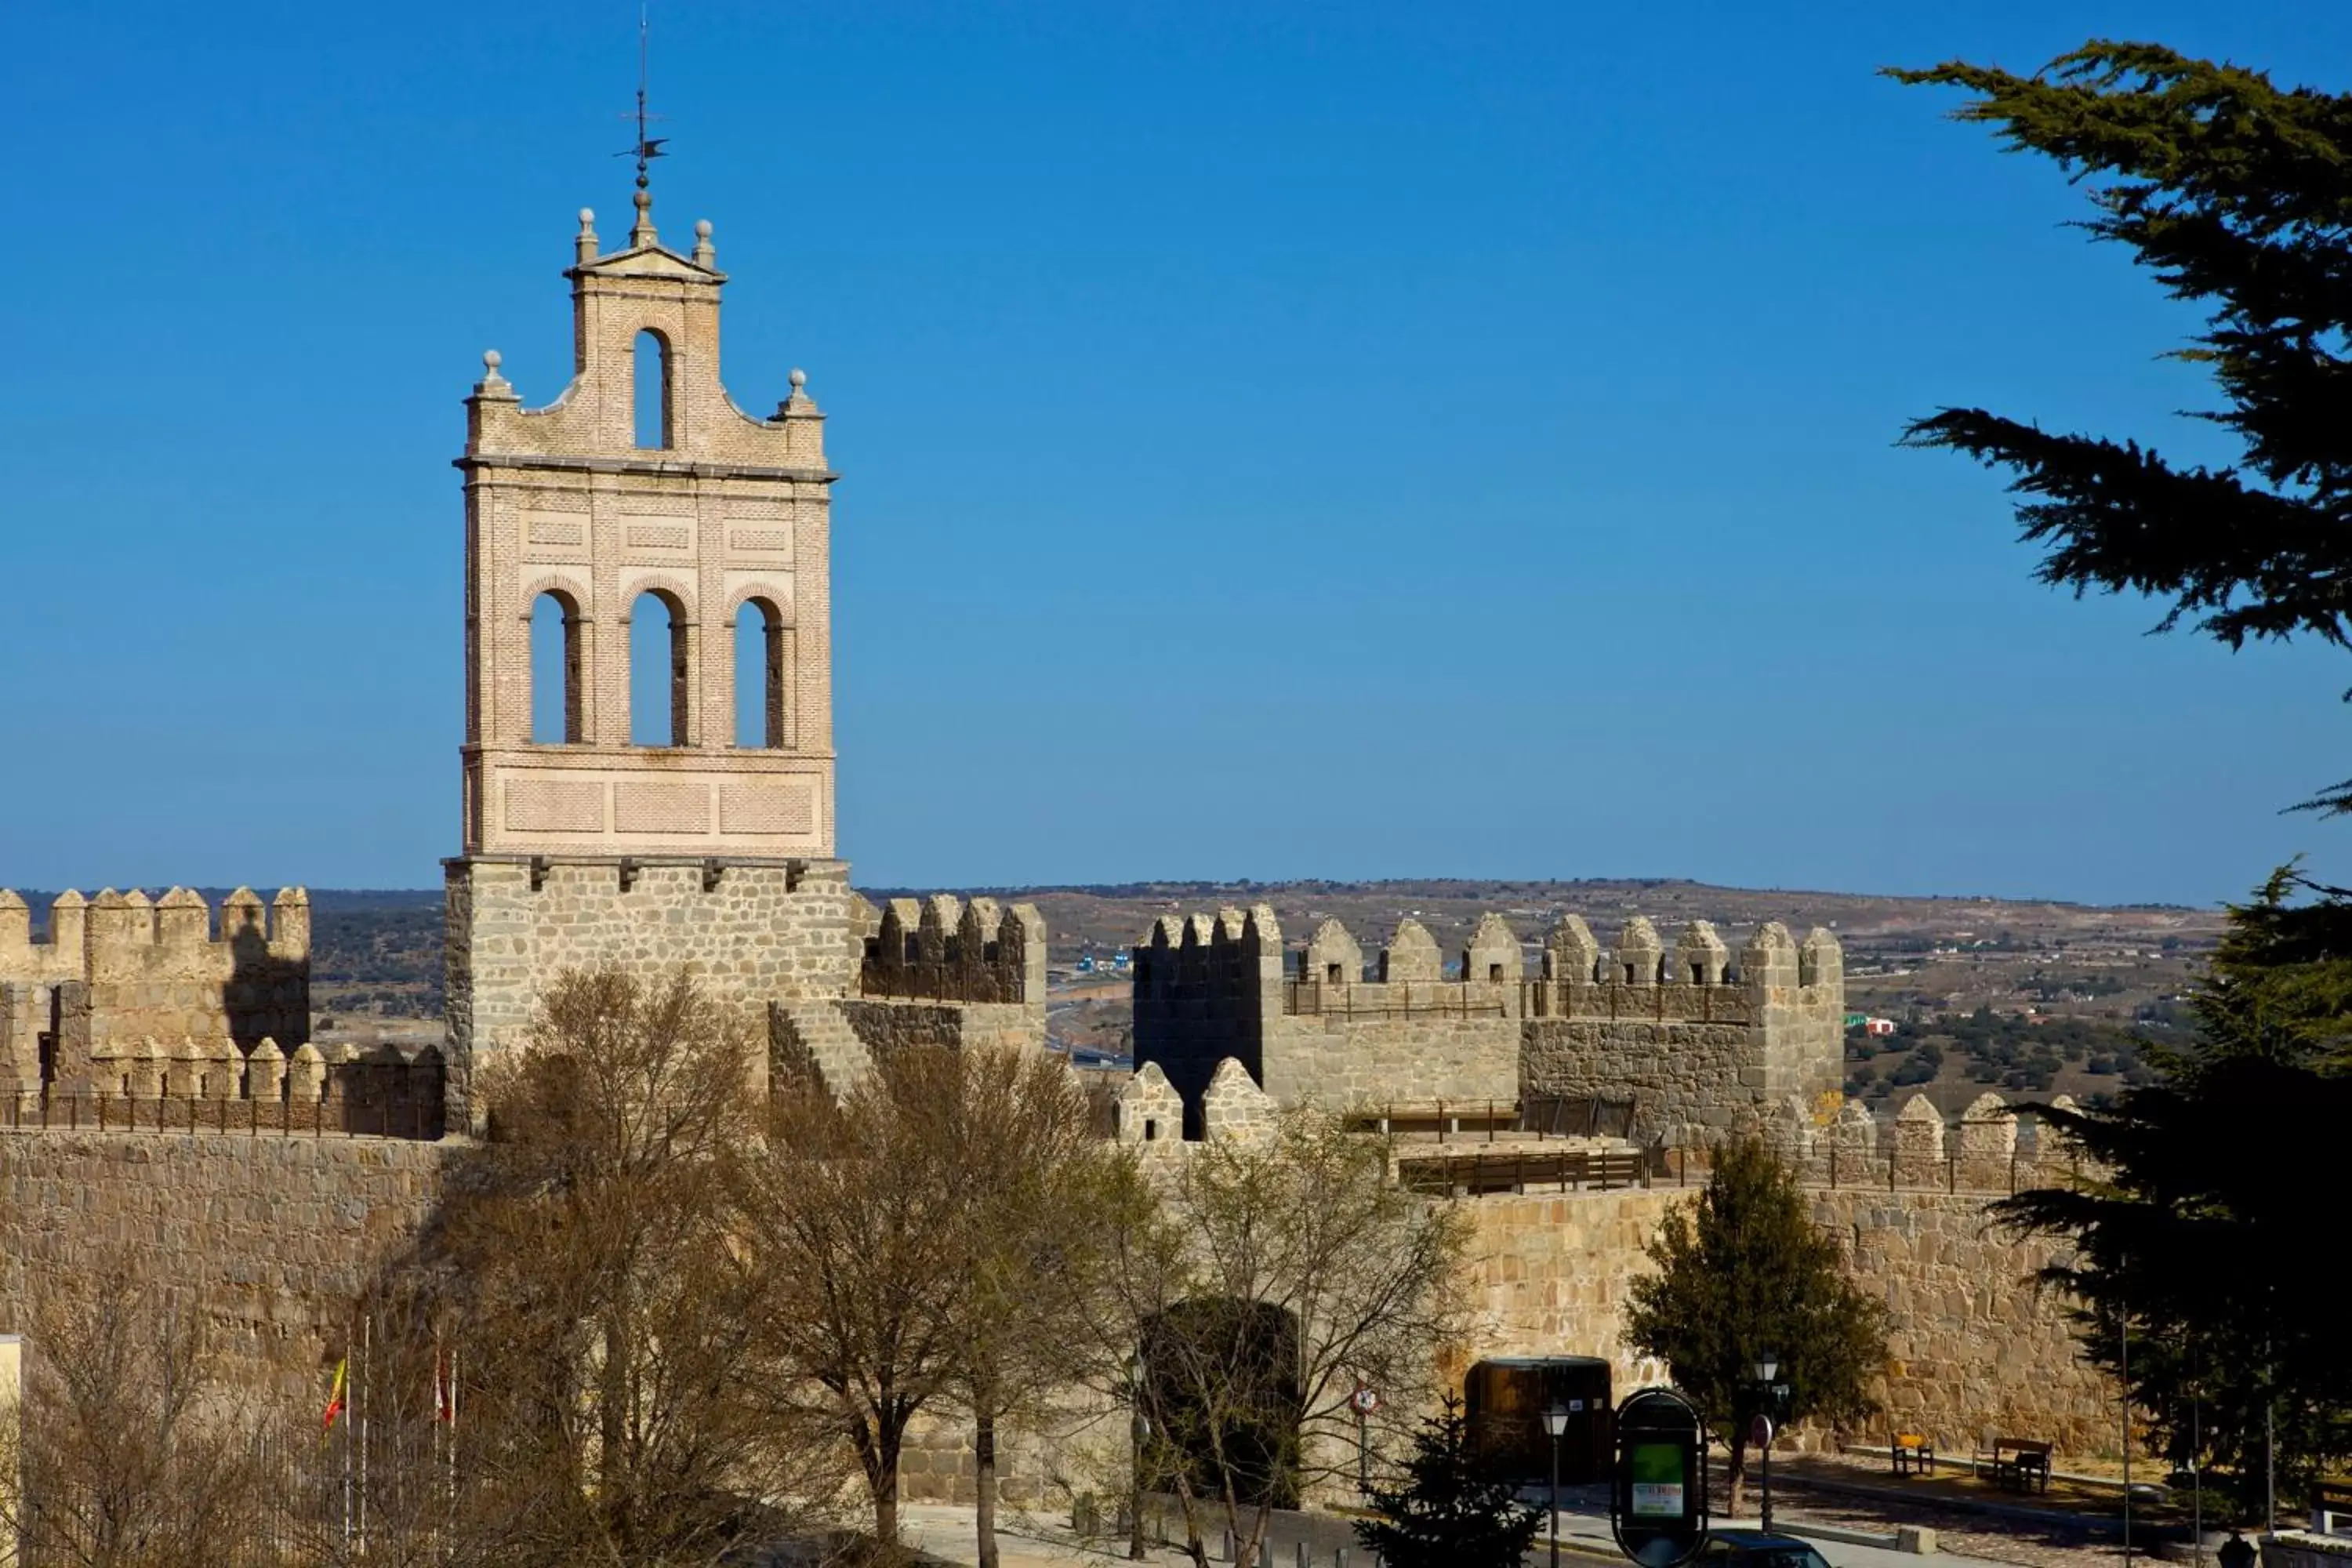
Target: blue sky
{"type": "Point", "coordinates": [1278, 439]}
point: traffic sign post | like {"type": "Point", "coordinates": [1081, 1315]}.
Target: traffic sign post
{"type": "Point", "coordinates": [1657, 1501]}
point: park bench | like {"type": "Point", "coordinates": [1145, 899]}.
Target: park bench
{"type": "Point", "coordinates": [1913, 1452]}
{"type": "Point", "coordinates": [2331, 1508]}
{"type": "Point", "coordinates": [2021, 1464]}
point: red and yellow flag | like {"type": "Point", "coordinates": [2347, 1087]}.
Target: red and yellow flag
{"type": "Point", "coordinates": [334, 1398]}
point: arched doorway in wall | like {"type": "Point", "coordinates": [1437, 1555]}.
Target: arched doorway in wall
{"type": "Point", "coordinates": [660, 665]}
{"type": "Point", "coordinates": [555, 709]}
{"type": "Point", "coordinates": [1220, 1376]}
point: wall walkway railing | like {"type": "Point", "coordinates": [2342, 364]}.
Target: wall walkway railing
{"type": "Point", "coordinates": [39, 1112]}
{"type": "Point", "coordinates": [1425, 999]}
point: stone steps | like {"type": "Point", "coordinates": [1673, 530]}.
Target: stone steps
{"type": "Point", "coordinates": [817, 1026]}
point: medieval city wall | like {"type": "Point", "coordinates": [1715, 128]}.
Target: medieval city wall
{"type": "Point", "coordinates": [1696, 1044]}
{"type": "Point", "coordinates": [273, 1236]}
{"type": "Point", "coordinates": [1407, 1055]}
{"type": "Point", "coordinates": [121, 975]}
{"type": "Point", "coordinates": [1976, 1343]}
{"type": "Point", "coordinates": [888, 1025]}
{"type": "Point", "coordinates": [1678, 1073]}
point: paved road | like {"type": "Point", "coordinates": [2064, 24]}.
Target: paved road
{"type": "Point", "coordinates": [947, 1532]}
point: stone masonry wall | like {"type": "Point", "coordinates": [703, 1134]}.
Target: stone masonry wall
{"type": "Point", "coordinates": [272, 1235]}
{"type": "Point", "coordinates": [886, 1024]}
{"type": "Point", "coordinates": [1974, 1346]}
{"type": "Point", "coordinates": [759, 932]}
{"type": "Point", "coordinates": [1409, 1058]}
{"type": "Point", "coordinates": [1676, 1073]}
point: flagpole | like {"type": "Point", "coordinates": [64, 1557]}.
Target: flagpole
{"type": "Point", "coordinates": [452, 1447]}
{"type": "Point", "coordinates": [347, 1449]}
{"type": "Point", "coordinates": [358, 1411]}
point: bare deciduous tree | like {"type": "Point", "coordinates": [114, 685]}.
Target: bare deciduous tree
{"type": "Point", "coordinates": [129, 1450]}
{"type": "Point", "coordinates": [1047, 1193]}
{"type": "Point", "coordinates": [603, 1292]}
{"type": "Point", "coordinates": [1278, 1275]}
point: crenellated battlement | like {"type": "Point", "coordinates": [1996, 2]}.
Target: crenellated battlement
{"type": "Point", "coordinates": [1691, 1033]}
{"type": "Point", "coordinates": [120, 967]}
{"type": "Point", "coordinates": [89, 936]}
{"type": "Point", "coordinates": [1638, 977]}
{"type": "Point", "coordinates": [939, 948]}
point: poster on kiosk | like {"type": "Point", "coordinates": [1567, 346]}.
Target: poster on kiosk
{"type": "Point", "coordinates": [1657, 1503]}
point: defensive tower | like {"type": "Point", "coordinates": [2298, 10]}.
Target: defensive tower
{"type": "Point", "coordinates": [641, 500]}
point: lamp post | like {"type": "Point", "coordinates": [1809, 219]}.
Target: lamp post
{"type": "Point", "coordinates": [1555, 1422]}
{"type": "Point", "coordinates": [1768, 1367]}
{"type": "Point", "coordinates": [1139, 1430]}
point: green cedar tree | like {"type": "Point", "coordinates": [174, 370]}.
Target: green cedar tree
{"type": "Point", "coordinates": [2237, 194]}
{"type": "Point", "coordinates": [1743, 1272]}
{"type": "Point", "coordinates": [1451, 1511]}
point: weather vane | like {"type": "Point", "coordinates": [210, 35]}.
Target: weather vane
{"type": "Point", "coordinates": [648, 148]}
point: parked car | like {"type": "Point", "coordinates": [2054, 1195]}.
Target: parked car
{"type": "Point", "coordinates": [1758, 1549]}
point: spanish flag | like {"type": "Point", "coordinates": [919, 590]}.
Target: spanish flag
{"type": "Point", "coordinates": [334, 1399]}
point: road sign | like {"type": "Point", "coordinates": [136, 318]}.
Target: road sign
{"type": "Point", "coordinates": [1759, 1432]}
{"type": "Point", "coordinates": [1657, 1505]}
{"type": "Point", "coordinates": [1364, 1401]}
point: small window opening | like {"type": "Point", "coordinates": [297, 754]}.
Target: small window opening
{"type": "Point", "coordinates": [1698, 973]}
{"type": "Point", "coordinates": [914, 948]}
{"type": "Point", "coordinates": [658, 664]}
{"type": "Point", "coordinates": [760, 647]}
{"type": "Point", "coordinates": [988, 952]}
{"type": "Point", "coordinates": [1152, 1129]}
{"type": "Point", "coordinates": [1629, 974]}
{"type": "Point", "coordinates": [555, 670]}
{"type": "Point", "coordinates": [1331, 972]}
{"type": "Point", "coordinates": [649, 370]}
{"type": "Point", "coordinates": [873, 949]}
{"type": "Point", "coordinates": [1495, 971]}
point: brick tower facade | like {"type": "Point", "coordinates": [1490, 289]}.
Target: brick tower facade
{"type": "Point", "coordinates": [703, 844]}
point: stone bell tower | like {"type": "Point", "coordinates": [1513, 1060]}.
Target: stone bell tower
{"type": "Point", "coordinates": [643, 507]}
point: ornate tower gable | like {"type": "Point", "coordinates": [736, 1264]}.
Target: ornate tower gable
{"type": "Point", "coordinates": [590, 510]}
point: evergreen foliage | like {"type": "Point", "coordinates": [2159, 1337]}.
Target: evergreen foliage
{"type": "Point", "coordinates": [1747, 1271]}
{"type": "Point", "coordinates": [1451, 1511]}
{"type": "Point", "coordinates": [2237, 194]}
{"type": "Point", "coordinates": [2209, 1184]}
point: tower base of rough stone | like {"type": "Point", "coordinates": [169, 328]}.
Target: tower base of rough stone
{"type": "Point", "coordinates": [750, 932]}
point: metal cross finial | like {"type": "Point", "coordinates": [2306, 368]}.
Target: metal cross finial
{"type": "Point", "coordinates": [647, 148]}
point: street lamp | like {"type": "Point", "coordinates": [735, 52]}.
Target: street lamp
{"type": "Point", "coordinates": [1768, 1367]}
{"type": "Point", "coordinates": [1555, 1422]}
{"type": "Point", "coordinates": [1139, 1430]}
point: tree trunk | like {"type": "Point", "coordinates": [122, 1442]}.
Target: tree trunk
{"type": "Point", "coordinates": [882, 1475]}
{"type": "Point", "coordinates": [984, 1451]}
{"type": "Point", "coordinates": [1736, 1475]}
{"type": "Point", "coordinates": [612, 1433]}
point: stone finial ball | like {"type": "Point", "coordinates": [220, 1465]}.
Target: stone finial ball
{"type": "Point", "coordinates": [587, 217]}
{"type": "Point", "coordinates": [491, 360]}
{"type": "Point", "coordinates": [702, 228]}
{"type": "Point", "coordinates": [799, 378]}
{"type": "Point", "coordinates": [644, 200]}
